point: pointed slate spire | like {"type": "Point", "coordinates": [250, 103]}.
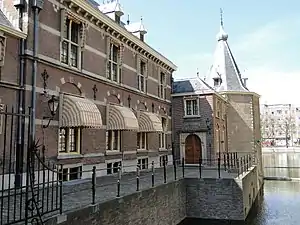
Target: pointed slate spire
{"type": "Point", "coordinates": [224, 74]}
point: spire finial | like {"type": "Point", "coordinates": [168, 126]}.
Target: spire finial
{"type": "Point", "coordinates": [221, 16]}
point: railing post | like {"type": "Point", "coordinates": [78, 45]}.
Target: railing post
{"type": "Point", "coordinates": [165, 170]}
{"type": "Point", "coordinates": [175, 169]}
{"type": "Point", "coordinates": [61, 190]}
{"type": "Point", "coordinates": [182, 163]}
{"type": "Point", "coordinates": [244, 164]}
{"type": "Point", "coordinates": [228, 163]}
{"type": "Point", "coordinates": [224, 156]}
{"type": "Point", "coordinates": [200, 167]}
{"type": "Point", "coordinates": [238, 166]}
{"type": "Point", "coordinates": [93, 185]}
{"type": "Point", "coordinates": [219, 167]}
{"type": "Point", "coordinates": [119, 181]}
{"type": "Point", "coordinates": [231, 161]}
{"type": "Point", "coordinates": [138, 178]}
{"type": "Point", "coordinates": [152, 175]}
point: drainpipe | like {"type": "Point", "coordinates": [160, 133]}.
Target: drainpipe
{"type": "Point", "coordinates": [37, 6]}
{"type": "Point", "coordinates": [20, 5]}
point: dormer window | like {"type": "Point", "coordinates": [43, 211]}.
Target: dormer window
{"type": "Point", "coordinates": [217, 81]}
{"type": "Point", "coordinates": [142, 37]}
{"type": "Point", "coordinates": [117, 19]}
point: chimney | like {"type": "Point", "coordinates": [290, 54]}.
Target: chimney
{"type": "Point", "coordinates": [245, 81]}
{"type": "Point", "coordinates": [128, 21]}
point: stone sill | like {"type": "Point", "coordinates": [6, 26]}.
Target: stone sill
{"type": "Point", "coordinates": [69, 156]}
{"type": "Point", "coordinates": [113, 152]}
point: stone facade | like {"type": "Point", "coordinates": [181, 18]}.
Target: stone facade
{"type": "Point", "coordinates": [88, 79]}
{"type": "Point", "coordinates": [243, 121]}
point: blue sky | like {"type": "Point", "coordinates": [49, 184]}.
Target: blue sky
{"type": "Point", "coordinates": [263, 36]}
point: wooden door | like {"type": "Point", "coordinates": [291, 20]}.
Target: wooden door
{"type": "Point", "coordinates": [192, 149]}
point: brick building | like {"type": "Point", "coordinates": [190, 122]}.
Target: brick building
{"type": "Point", "coordinates": [113, 89]}
{"type": "Point", "coordinates": [199, 127]}
{"type": "Point", "coordinates": [197, 101]}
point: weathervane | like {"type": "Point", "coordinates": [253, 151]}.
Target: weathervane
{"type": "Point", "coordinates": [221, 16]}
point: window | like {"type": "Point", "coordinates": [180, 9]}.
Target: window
{"type": "Point", "coordinates": [113, 63]}
{"type": "Point", "coordinates": [142, 140]}
{"type": "Point", "coordinates": [162, 86]}
{"type": "Point", "coordinates": [142, 77]}
{"type": "Point", "coordinates": [218, 109]}
{"type": "Point", "coordinates": [72, 173]}
{"type": "Point", "coordinates": [143, 163]}
{"type": "Point", "coordinates": [117, 19]}
{"type": "Point", "coordinates": [217, 81]}
{"type": "Point", "coordinates": [191, 107]}
{"type": "Point", "coordinates": [70, 44]}
{"type": "Point", "coordinates": [113, 140]}
{"type": "Point", "coordinates": [142, 37]}
{"type": "Point", "coordinates": [69, 140]}
{"type": "Point", "coordinates": [162, 159]}
{"type": "Point", "coordinates": [162, 136]}
{"type": "Point", "coordinates": [113, 167]}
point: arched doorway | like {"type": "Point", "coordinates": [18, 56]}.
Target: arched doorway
{"type": "Point", "coordinates": [193, 150]}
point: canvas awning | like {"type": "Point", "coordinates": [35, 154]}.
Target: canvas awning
{"type": "Point", "coordinates": [121, 118]}
{"type": "Point", "coordinates": [149, 122]}
{"type": "Point", "coordinates": [80, 112]}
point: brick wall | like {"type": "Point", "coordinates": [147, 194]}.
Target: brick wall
{"type": "Point", "coordinates": [240, 123]}
{"type": "Point", "coordinates": [222, 199]}
{"type": "Point", "coordinates": [162, 205]}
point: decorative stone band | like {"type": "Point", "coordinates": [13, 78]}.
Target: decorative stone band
{"type": "Point", "coordinates": [121, 118]}
{"type": "Point", "coordinates": [80, 112]}
{"type": "Point", "coordinates": [149, 122]}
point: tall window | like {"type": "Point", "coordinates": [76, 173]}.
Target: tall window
{"type": "Point", "coordinates": [162, 86]}
{"type": "Point", "coordinates": [142, 77]}
{"type": "Point", "coordinates": [113, 64]}
{"type": "Point", "coordinates": [69, 140]}
{"type": "Point", "coordinates": [70, 45]}
{"type": "Point", "coordinates": [218, 109]}
{"type": "Point", "coordinates": [142, 140]}
{"type": "Point", "coordinates": [162, 136]}
{"type": "Point", "coordinates": [113, 141]}
{"type": "Point", "coordinates": [191, 107]}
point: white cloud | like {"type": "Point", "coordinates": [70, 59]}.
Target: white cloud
{"type": "Point", "coordinates": [260, 55]}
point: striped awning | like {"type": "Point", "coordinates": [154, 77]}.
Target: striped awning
{"type": "Point", "coordinates": [121, 118]}
{"type": "Point", "coordinates": [80, 112]}
{"type": "Point", "coordinates": [149, 122]}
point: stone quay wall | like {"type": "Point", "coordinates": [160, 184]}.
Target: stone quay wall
{"type": "Point", "coordinates": [171, 203]}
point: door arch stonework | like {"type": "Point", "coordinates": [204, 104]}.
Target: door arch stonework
{"type": "Point", "coordinates": [193, 149]}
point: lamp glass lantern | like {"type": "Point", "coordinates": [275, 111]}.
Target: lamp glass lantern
{"type": "Point", "coordinates": [53, 105]}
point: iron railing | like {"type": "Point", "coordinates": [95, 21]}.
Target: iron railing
{"type": "Point", "coordinates": [29, 186]}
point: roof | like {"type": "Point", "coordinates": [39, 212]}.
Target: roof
{"type": "Point", "coordinates": [4, 21]}
{"type": "Point", "coordinates": [225, 67]}
{"type": "Point", "coordinates": [191, 86]}
{"type": "Point", "coordinates": [110, 7]}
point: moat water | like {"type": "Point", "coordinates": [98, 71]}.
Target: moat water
{"type": "Point", "coordinates": [280, 206]}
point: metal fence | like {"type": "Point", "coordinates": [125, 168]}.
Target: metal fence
{"type": "Point", "coordinates": [29, 186]}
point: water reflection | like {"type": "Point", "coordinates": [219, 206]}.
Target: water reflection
{"type": "Point", "coordinates": [280, 206]}
{"type": "Point", "coordinates": [287, 164]}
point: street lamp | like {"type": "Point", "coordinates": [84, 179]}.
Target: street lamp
{"type": "Point", "coordinates": [52, 105]}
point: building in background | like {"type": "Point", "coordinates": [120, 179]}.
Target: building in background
{"type": "Point", "coordinates": [112, 89]}
{"type": "Point", "coordinates": [206, 99]}
{"type": "Point", "coordinates": [280, 124]}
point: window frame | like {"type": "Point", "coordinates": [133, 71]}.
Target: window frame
{"type": "Point", "coordinates": [140, 136]}
{"type": "Point", "coordinates": [193, 114]}
{"type": "Point", "coordinates": [77, 135]}
{"type": "Point", "coordinates": [112, 63]}
{"type": "Point", "coordinates": [142, 75]}
{"type": "Point", "coordinates": [67, 174]}
{"type": "Point", "coordinates": [162, 88]}
{"type": "Point", "coordinates": [162, 136]}
{"type": "Point", "coordinates": [110, 146]}
{"type": "Point", "coordinates": [143, 163]}
{"type": "Point", "coordinates": [68, 39]}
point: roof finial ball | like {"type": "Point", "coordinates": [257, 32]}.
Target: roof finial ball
{"type": "Point", "coordinates": [222, 35]}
